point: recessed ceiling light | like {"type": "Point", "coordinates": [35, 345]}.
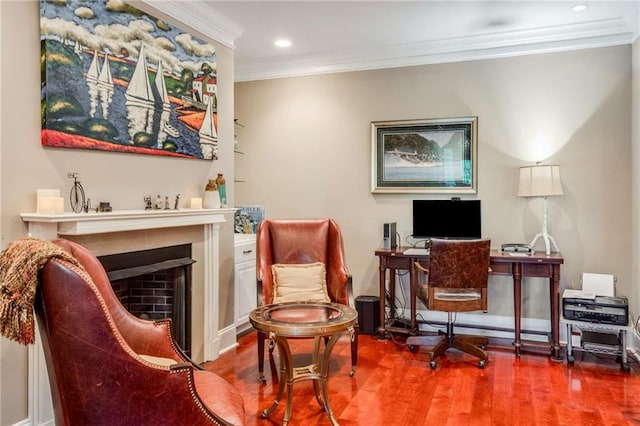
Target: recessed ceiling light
{"type": "Point", "coordinates": [283, 43]}
{"type": "Point", "coordinates": [580, 7]}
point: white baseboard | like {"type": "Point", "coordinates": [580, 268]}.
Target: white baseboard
{"type": "Point", "coordinates": [497, 321]}
{"type": "Point", "coordinates": [227, 339]}
{"type": "Point", "coordinates": [27, 422]}
{"type": "Point", "coordinates": [486, 320]}
{"type": "Point", "coordinates": [243, 327]}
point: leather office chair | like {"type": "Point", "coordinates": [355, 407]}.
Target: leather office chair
{"type": "Point", "coordinates": [108, 367]}
{"type": "Point", "coordinates": [458, 272]}
{"type": "Point", "coordinates": [301, 242]}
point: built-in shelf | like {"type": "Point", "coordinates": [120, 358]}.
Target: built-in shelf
{"type": "Point", "coordinates": [236, 146]}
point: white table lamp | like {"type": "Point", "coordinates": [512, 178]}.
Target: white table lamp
{"type": "Point", "coordinates": [541, 181]}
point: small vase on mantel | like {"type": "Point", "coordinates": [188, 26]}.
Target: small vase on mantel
{"type": "Point", "coordinates": [211, 198]}
{"type": "Point", "coordinates": [222, 189]}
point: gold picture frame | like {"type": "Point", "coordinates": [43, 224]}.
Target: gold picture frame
{"type": "Point", "coordinates": [425, 156]}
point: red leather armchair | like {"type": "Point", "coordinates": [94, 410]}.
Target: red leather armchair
{"type": "Point", "coordinates": [298, 242]}
{"type": "Point", "coordinates": [105, 365]}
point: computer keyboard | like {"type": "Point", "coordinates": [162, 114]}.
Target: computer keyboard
{"type": "Point", "coordinates": [416, 252]}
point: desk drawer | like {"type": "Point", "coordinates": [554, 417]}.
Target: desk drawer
{"type": "Point", "coordinates": [528, 269]}
{"type": "Point", "coordinates": [501, 268]}
{"type": "Point", "coordinates": [536, 270]}
{"type": "Point", "coordinates": [397, 262]}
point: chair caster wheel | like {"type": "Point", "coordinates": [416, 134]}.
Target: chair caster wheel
{"type": "Point", "coordinates": [571, 359]}
{"type": "Point", "coordinates": [481, 363]}
{"type": "Point", "coordinates": [412, 348]}
{"type": "Point", "coordinates": [433, 365]}
{"type": "Point", "coordinates": [625, 367]}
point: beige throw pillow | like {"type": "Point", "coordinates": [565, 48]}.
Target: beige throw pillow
{"type": "Point", "coordinates": [305, 282]}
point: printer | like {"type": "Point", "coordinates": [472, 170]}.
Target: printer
{"type": "Point", "coordinates": [596, 301]}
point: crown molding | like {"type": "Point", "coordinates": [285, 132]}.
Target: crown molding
{"type": "Point", "coordinates": [603, 33]}
{"type": "Point", "coordinates": [198, 15]}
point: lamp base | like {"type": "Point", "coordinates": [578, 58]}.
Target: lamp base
{"type": "Point", "coordinates": [544, 234]}
{"type": "Point", "coordinates": [547, 239]}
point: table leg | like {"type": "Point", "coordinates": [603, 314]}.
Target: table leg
{"type": "Point", "coordinates": [383, 274]}
{"type": "Point", "coordinates": [324, 375]}
{"type": "Point", "coordinates": [413, 277]}
{"type": "Point", "coordinates": [315, 361]}
{"type": "Point", "coordinates": [284, 347]}
{"type": "Point", "coordinates": [554, 303]}
{"type": "Point", "coordinates": [285, 379]}
{"type": "Point", "coordinates": [392, 293]}
{"type": "Point", "coordinates": [623, 347]}
{"type": "Point", "coordinates": [517, 304]}
{"type": "Point", "coordinates": [570, 358]}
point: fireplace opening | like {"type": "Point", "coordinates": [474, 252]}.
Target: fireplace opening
{"type": "Point", "coordinates": [155, 284]}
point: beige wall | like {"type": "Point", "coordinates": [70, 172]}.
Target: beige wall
{"type": "Point", "coordinates": [307, 147]}
{"type": "Point", "coordinates": [308, 154]}
{"type": "Point", "coordinates": [122, 179]}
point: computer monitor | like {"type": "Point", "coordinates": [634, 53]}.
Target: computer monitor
{"type": "Point", "coordinates": [452, 219]}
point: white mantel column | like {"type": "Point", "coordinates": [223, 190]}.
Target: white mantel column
{"type": "Point", "coordinates": [211, 291]}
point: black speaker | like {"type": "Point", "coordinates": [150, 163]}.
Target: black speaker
{"type": "Point", "coordinates": [389, 235]}
{"type": "Point", "coordinates": [368, 308]}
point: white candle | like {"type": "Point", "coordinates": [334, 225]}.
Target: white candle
{"type": "Point", "coordinates": [50, 205]}
{"type": "Point", "coordinates": [45, 193]}
{"type": "Point", "coordinates": [48, 193]}
{"type": "Point", "coordinates": [196, 203]}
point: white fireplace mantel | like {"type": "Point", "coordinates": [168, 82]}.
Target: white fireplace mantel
{"type": "Point", "coordinates": [75, 224]}
{"type": "Point", "coordinates": [54, 225]}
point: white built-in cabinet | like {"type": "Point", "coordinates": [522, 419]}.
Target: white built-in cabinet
{"type": "Point", "coordinates": [245, 280]}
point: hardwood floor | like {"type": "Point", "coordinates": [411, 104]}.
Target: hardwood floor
{"type": "Point", "coordinates": [394, 386]}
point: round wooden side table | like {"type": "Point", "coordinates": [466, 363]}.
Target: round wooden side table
{"type": "Point", "coordinates": [304, 319]}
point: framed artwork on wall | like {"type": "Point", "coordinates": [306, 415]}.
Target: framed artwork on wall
{"type": "Point", "coordinates": [115, 78]}
{"type": "Point", "coordinates": [424, 156]}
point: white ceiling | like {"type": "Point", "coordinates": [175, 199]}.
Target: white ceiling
{"type": "Point", "coordinates": [334, 36]}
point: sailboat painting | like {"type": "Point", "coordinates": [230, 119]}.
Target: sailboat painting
{"type": "Point", "coordinates": [115, 78]}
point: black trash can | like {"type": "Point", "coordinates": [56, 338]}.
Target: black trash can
{"type": "Point", "coordinates": [368, 308]}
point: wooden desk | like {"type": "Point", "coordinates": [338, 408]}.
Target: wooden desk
{"type": "Point", "coordinates": [535, 265]}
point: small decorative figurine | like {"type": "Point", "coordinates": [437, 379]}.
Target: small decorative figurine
{"type": "Point", "coordinates": [158, 205]}
{"type": "Point", "coordinates": [76, 195]}
{"type": "Point", "coordinates": [175, 205]}
{"type": "Point", "coordinates": [166, 203]}
{"type": "Point", "coordinates": [104, 206]}
{"type": "Point", "coordinates": [147, 203]}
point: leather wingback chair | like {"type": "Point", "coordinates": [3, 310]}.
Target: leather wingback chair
{"type": "Point", "coordinates": [457, 276]}
{"type": "Point", "coordinates": [108, 367]}
{"type": "Point", "coordinates": [298, 242]}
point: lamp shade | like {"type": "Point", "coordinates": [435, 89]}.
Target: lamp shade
{"type": "Point", "coordinates": [539, 181]}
